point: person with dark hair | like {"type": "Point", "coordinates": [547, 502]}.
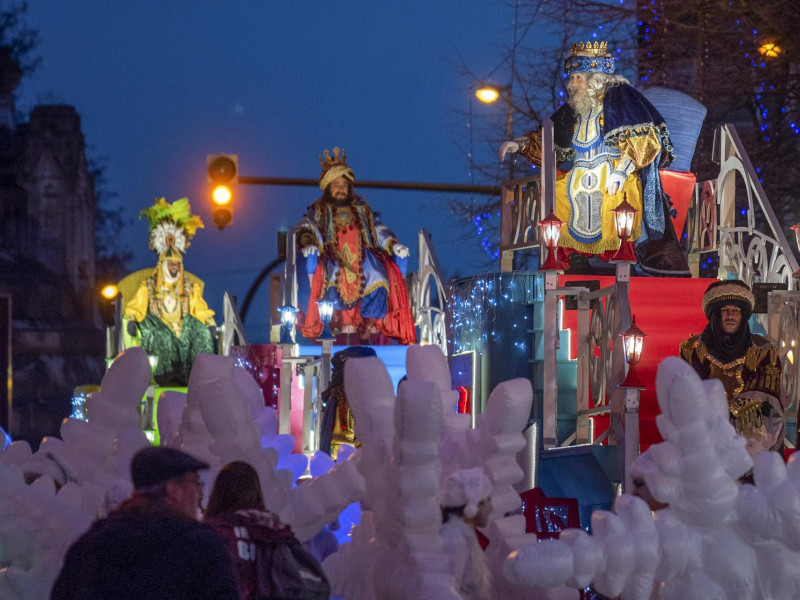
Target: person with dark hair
{"type": "Point", "coordinates": [271, 562]}
{"type": "Point", "coordinates": [152, 546]}
{"type": "Point", "coordinates": [747, 364]}
{"type": "Point", "coordinates": [351, 259]}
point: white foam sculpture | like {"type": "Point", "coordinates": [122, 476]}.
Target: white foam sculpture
{"type": "Point", "coordinates": [717, 538]}
{"type": "Point", "coordinates": [90, 464]}
{"type": "Point", "coordinates": [408, 442]}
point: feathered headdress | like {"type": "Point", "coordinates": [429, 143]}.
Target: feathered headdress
{"type": "Point", "coordinates": [171, 226]}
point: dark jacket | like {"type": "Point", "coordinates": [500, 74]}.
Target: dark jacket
{"type": "Point", "coordinates": [272, 563]}
{"type": "Point", "coordinates": [147, 551]}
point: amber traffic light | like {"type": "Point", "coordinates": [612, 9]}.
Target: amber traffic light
{"type": "Point", "coordinates": [223, 177]}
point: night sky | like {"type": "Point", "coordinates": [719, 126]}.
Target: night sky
{"type": "Point", "coordinates": [159, 85]}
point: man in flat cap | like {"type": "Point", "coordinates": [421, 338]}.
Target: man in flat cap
{"type": "Point", "coordinates": [152, 546]}
{"type": "Point", "coordinates": [747, 364]}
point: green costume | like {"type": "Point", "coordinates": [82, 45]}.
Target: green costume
{"type": "Point", "coordinates": [172, 317]}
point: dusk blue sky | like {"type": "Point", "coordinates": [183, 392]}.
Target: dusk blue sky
{"type": "Point", "coordinates": [159, 85]}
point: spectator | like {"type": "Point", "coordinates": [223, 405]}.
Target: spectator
{"type": "Point", "coordinates": [151, 546]}
{"type": "Point", "coordinates": [270, 560]}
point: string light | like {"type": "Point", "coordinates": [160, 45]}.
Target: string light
{"type": "Point", "coordinates": [492, 306]}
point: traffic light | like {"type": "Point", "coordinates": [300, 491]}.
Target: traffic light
{"type": "Point", "coordinates": [223, 177]}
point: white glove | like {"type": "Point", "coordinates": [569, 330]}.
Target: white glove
{"type": "Point", "coordinates": [400, 251]}
{"type": "Point", "coordinates": [506, 147]}
{"type": "Point", "coordinates": [308, 250]}
{"type": "Point", "coordinates": [615, 182]}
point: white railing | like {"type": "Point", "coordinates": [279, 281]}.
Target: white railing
{"type": "Point", "coordinates": [744, 252]}
{"type": "Point", "coordinates": [231, 332]}
{"type": "Point", "coordinates": [602, 316]}
{"type": "Point", "coordinates": [429, 279]}
{"type": "Point", "coordinates": [747, 253]}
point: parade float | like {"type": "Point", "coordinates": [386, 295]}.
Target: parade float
{"type": "Point", "coordinates": [540, 378]}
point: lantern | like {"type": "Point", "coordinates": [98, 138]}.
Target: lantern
{"type": "Point", "coordinates": [551, 231]}
{"type": "Point", "coordinates": [623, 220]}
{"type": "Point", "coordinates": [325, 315]}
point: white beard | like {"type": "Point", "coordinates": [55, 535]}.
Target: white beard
{"type": "Point", "coordinates": [581, 102]}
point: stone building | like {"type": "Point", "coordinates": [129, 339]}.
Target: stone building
{"type": "Point", "coordinates": [47, 262]}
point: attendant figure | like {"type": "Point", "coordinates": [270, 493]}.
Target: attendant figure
{"type": "Point", "coordinates": [168, 316]}
{"type": "Point", "coordinates": [747, 364]}
{"type": "Point", "coordinates": [616, 141]}
{"type": "Point", "coordinates": [351, 259]}
{"type": "Point", "coordinates": [466, 504]}
{"type": "Point", "coordinates": [338, 425]}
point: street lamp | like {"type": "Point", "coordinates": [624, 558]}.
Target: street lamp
{"type": "Point", "coordinates": [108, 311]}
{"type": "Point", "coordinates": [288, 318]}
{"type": "Point", "coordinates": [551, 231]}
{"type": "Point", "coordinates": [623, 220]}
{"type": "Point", "coordinates": [489, 94]}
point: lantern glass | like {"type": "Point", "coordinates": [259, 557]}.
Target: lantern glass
{"type": "Point", "coordinates": [325, 310]}
{"type": "Point", "coordinates": [633, 348]}
{"type": "Point", "coordinates": [633, 340]}
{"type": "Point", "coordinates": [624, 222]}
{"type": "Point", "coordinates": [287, 315]}
{"type": "Point", "coordinates": [551, 232]}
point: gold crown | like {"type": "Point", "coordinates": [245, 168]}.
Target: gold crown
{"type": "Point", "coordinates": [328, 162]}
{"type": "Point", "coordinates": [589, 49]}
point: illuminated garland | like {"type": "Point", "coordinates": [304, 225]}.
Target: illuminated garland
{"type": "Point", "coordinates": [474, 303]}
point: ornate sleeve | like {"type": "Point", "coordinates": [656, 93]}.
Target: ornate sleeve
{"type": "Point", "coordinates": [641, 144]}
{"type": "Point", "coordinates": [198, 307]}
{"type": "Point", "coordinates": [386, 239]}
{"type": "Point", "coordinates": [308, 234]}
{"type": "Point", "coordinates": [136, 308]}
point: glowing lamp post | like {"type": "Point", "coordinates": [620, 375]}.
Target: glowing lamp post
{"type": "Point", "coordinates": [623, 220]}
{"type": "Point", "coordinates": [632, 342]}
{"type": "Point", "coordinates": [288, 318]}
{"type": "Point", "coordinates": [325, 315]}
{"type": "Point", "coordinates": [551, 231]}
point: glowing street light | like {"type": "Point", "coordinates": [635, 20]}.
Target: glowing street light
{"type": "Point", "coordinates": [488, 93]}
{"type": "Point", "coordinates": [109, 292]}
{"type": "Point", "coordinates": [770, 49]}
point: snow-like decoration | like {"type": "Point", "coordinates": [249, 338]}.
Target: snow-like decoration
{"type": "Point", "coordinates": [717, 538]}
{"type": "Point", "coordinates": [409, 444]}
{"type": "Point", "coordinates": [84, 473]}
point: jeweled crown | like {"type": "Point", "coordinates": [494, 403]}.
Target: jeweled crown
{"type": "Point", "coordinates": [329, 162]}
{"type": "Point", "coordinates": [589, 49]}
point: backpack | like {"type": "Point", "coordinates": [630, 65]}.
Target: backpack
{"type": "Point", "coordinates": [282, 568]}
{"type": "Point", "coordinates": [286, 571]}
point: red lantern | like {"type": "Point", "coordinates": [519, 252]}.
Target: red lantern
{"type": "Point", "coordinates": [551, 231]}
{"type": "Point", "coordinates": [623, 220]}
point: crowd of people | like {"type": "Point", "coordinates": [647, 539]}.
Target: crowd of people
{"type": "Point", "coordinates": [160, 543]}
